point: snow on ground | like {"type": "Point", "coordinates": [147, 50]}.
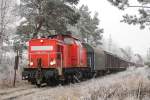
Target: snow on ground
{"type": "Point", "coordinates": [133, 84]}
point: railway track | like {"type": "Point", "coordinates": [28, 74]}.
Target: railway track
{"type": "Point", "coordinates": [11, 90]}
{"type": "Point", "coordinates": [19, 92]}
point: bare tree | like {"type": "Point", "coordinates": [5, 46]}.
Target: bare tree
{"type": "Point", "coordinates": [128, 53]}
{"type": "Point", "coordinates": [6, 7]}
{"type": "Point", "coordinates": [3, 13]}
{"type": "Point", "coordinates": [7, 20]}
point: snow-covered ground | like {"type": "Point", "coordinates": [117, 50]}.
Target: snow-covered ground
{"type": "Point", "coordinates": [133, 84]}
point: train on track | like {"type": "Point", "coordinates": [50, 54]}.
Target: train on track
{"type": "Point", "coordinates": [59, 58]}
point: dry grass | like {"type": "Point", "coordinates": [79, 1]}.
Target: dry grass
{"type": "Point", "coordinates": [7, 71]}
{"type": "Point", "coordinates": [133, 84]}
{"type": "Point", "coordinates": [7, 80]}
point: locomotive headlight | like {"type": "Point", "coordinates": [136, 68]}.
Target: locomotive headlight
{"type": "Point", "coordinates": [31, 63]}
{"type": "Point", "coordinates": [41, 41]}
{"type": "Point", "coordinates": [53, 62]}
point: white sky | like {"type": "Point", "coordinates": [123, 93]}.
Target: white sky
{"type": "Point", "coordinates": [122, 34]}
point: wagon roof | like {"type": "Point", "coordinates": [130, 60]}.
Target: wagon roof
{"type": "Point", "coordinates": [115, 55]}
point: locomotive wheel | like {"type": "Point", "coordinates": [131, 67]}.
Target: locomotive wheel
{"type": "Point", "coordinates": [52, 82]}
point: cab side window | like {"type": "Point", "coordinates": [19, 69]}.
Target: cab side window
{"type": "Point", "coordinates": [68, 40]}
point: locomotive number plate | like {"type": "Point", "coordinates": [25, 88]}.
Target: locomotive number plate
{"type": "Point", "coordinates": [41, 48]}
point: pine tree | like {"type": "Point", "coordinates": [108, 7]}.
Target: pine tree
{"type": "Point", "coordinates": [45, 15]}
{"type": "Point", "coordinates": [142, 19]}
{"type": "Point", "coordinates": [89, 27]}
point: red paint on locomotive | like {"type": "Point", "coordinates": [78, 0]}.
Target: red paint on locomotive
{"type": "Point", "coordinates": [60, 51]}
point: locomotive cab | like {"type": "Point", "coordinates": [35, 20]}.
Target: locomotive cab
{"type": "Point", "coordinates": [48, 51]}
{"type": "Point", "coordinates": [45, 60]}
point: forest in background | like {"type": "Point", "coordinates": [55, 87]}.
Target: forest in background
{"type": "Point", "coordinates": [21, 21]}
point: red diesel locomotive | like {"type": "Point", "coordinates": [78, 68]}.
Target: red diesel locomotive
{"type": "Point", "coordinates": [63, 57]}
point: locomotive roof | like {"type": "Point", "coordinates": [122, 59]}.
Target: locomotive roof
{"type": "Point", "coordinates": [63, 35]}
{"type": "Point", "coordinates": [56, 37]}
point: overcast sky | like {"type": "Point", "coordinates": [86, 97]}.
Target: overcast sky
{"type": "Point", "coordinates": [122, 34]}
